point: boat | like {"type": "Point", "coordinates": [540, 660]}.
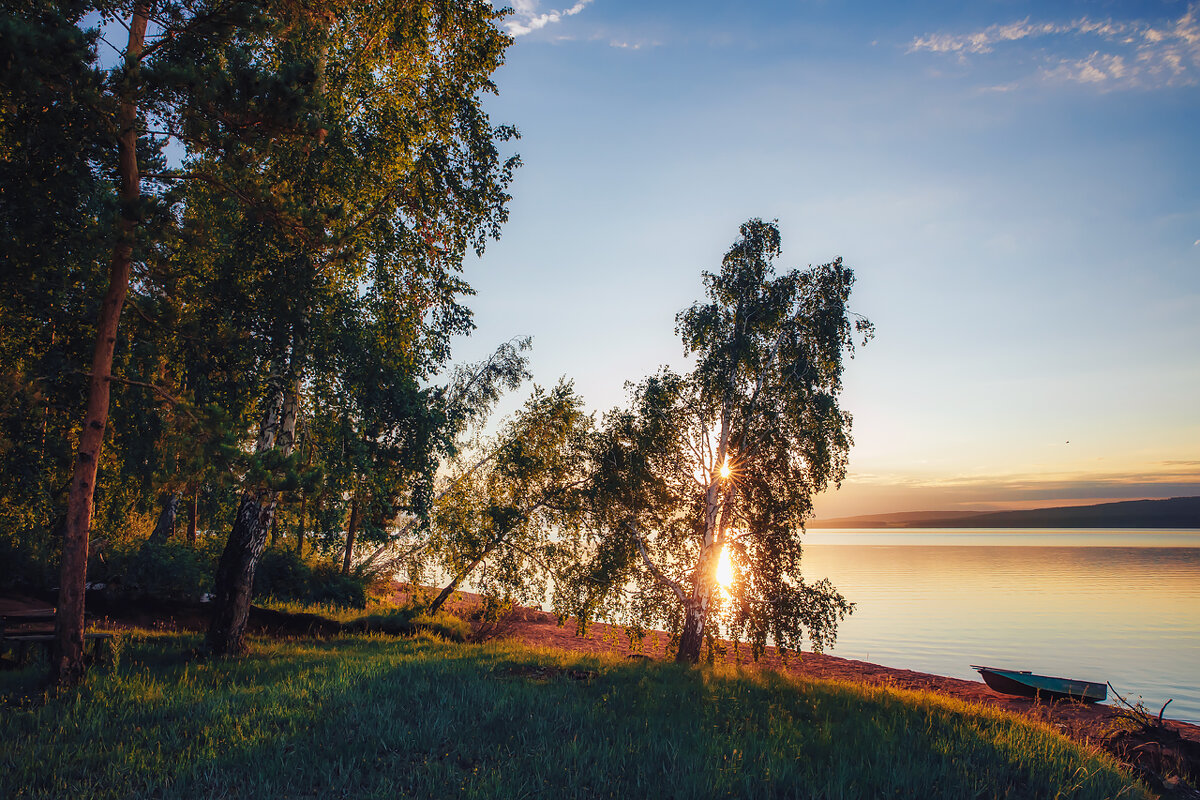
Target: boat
{"type": "Point", "coordinates": [1024, 683]}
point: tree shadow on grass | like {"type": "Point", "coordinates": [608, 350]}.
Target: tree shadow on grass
{"type": "Point", "coordinates": [369, 717]}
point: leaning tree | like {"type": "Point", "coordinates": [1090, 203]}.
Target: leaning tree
{"type": "Point", "coordinates": [509, 517]}
{"type": "Point", "coordinates": [401, 177]}
{"type": "Point", "coordinates": [726, 460]}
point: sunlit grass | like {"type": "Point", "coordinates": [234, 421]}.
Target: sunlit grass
{"type": "Point", "coordinates": [382, 617]}
{"type": "Point", "coordinates": [374, 716]}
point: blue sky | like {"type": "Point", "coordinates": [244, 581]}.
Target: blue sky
{"type": "Point", "coordinates": [1014, 183]}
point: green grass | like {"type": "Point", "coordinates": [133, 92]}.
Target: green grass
{"type": "Point", "coordinates": [369, 716]}
{"type": "Point", "coordinates": [381, 617]}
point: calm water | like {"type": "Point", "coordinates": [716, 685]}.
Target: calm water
{"type": "Point", "coordinates": [1121, 606]}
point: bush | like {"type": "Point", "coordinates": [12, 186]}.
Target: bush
{"type": "Point", "coordinates": [157, 570]}
{"type": "Point", "coordinates": [410, 621]}
{"type": "Point", "coordinates": [173, 570]}
{"type": "Point", "coordinates": [23, 566]}
{"type": "Point", "coordinates": [283, 575]}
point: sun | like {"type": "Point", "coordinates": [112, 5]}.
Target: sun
{"type": "Point", "coordinates": [725, 469]}
{"type": "Point", "coordinates": [724, 569]}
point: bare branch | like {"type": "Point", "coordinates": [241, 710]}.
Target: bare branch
{"type": "Point", "coordinates": [383, 548]}
{"type": "Point", "coordinates": [658, 574]}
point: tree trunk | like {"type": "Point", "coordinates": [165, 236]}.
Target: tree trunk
{"type": "Point", "coordinates": [67, 665]}
{"type": "Point", "coordinates": [191, 532]}
{"type": "Point", "coordinates": [274, 530]}
{"type": "Point", "coordinates": [451, 587]}
{"type": "Point", "coordinates": [235, 571]}
{"type": "Point", "coordinates": [693, 634]}
{"type": "Point", "coordinates": [351, 530]}
{"type": "Point", "coordinates": [695, 607]}
{"type": "Point", "coordinates": [165, 528]}
{"type": "Point", "coordinates": [718, 506]}
{"type": "Point", "coordinates": [462, 576]}
{"type": "Point", "coordinates": [300, 528]}
{"type": "Point", "coordinates": [304, 497]}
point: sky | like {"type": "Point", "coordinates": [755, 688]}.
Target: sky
{"type": "Point", "coordinates": [1015, 185]}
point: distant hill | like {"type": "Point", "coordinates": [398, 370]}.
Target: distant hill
{"type": "Point", "coordinates": [901, 519]}
{"type": "Point", "coordinates": [1177, 512]}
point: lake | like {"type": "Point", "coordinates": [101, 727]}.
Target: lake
{"type": "Point", "coordinates": [1104, 605]}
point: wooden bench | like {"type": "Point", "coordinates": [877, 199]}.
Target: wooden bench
{"type": "Point", "coordinates": [21, 631]}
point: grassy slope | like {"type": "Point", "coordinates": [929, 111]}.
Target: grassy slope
{"type": "Point", "coordinates": [376, 717]}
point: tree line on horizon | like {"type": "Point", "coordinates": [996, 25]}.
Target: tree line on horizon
{"type": "Point", "coordinates": [234, 253]}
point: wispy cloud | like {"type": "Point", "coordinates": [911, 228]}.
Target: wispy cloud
{"type": "Point", "coordinates": [1124, 54]}
{"type": "Point", "coordinates": [626, 45]}
{"type": "Point", "coordinates": [527, 18]}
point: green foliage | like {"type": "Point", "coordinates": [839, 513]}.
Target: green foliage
{"type": "Point", "coordinates": [173, 570]}
{"type": "Point", "coordinates": [337, 166]}
{"type": "Point", "coordinates": [728, 457]}
{"type": "Point", "coordinates": [509, 514]}
{"type": "Point", "coordinates": [157, 570]}
{"type": "Point", "coordinates": [345, 238]}
{"type": "Point", "coordinates": [369, 717]}
{"type": "Point", "coordinates": [54, 209]}
{"type": "Point", "coordinates": [412, 620]}
{"type": "Point", "coordinates": [25, 562]}
{"type": "Point", "coordinates": [283, 575]}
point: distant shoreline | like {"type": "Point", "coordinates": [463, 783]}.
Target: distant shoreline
{"type": "Point", "coordinates": [1177, 513]}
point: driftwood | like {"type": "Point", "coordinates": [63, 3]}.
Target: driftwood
{"type": "Point", "coordinates": [1159, 755]}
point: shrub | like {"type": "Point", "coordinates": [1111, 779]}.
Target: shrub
{"type": "Point", "coordinates": [173, 570]}
{"type": "Point", "coordinates": [410, 621]}
{"type": "Point", "coordinates": [283, 575]}
{"type": "Point", "coordinates": [24, 566]}
{"type": "Point", "coordinates": [157, 570]}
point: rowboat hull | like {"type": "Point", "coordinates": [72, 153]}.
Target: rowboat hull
{"type": "Point", "coordinates": [1026, 684]}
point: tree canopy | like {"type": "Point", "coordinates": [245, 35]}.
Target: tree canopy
{"type": "Point", "coordinates": [727, 458]}
{"type": "Point", "coordinates": [237, 252]}
{"type": "Point", "coordinates": [292, 262]}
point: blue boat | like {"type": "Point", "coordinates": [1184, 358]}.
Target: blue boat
{"type": "Point", "coordinates": [1024, 683]}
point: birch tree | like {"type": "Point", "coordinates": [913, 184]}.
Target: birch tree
{"type": "Point", "coordinates": [726, 459]}
{"type": "Point", "coordinates": [510, 517]}
{"type": "Point", "coordinates": [400, 178]}
{"type": "Point", "coordinates": [463, 405]}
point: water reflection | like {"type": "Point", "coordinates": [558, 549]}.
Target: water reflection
{"type": "Point", "coordinates": [1096, 605]}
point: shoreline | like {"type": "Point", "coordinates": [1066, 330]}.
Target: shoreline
{"type": "Point", "coordinates": [1085, 723]}
{"type": "Point", "coordinates": [1089, 724]}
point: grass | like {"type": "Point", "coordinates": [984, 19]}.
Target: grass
{"type": "Point", "coordinates": [381, 617]}
{"type": "Point", "coordinates": [368, 716]}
